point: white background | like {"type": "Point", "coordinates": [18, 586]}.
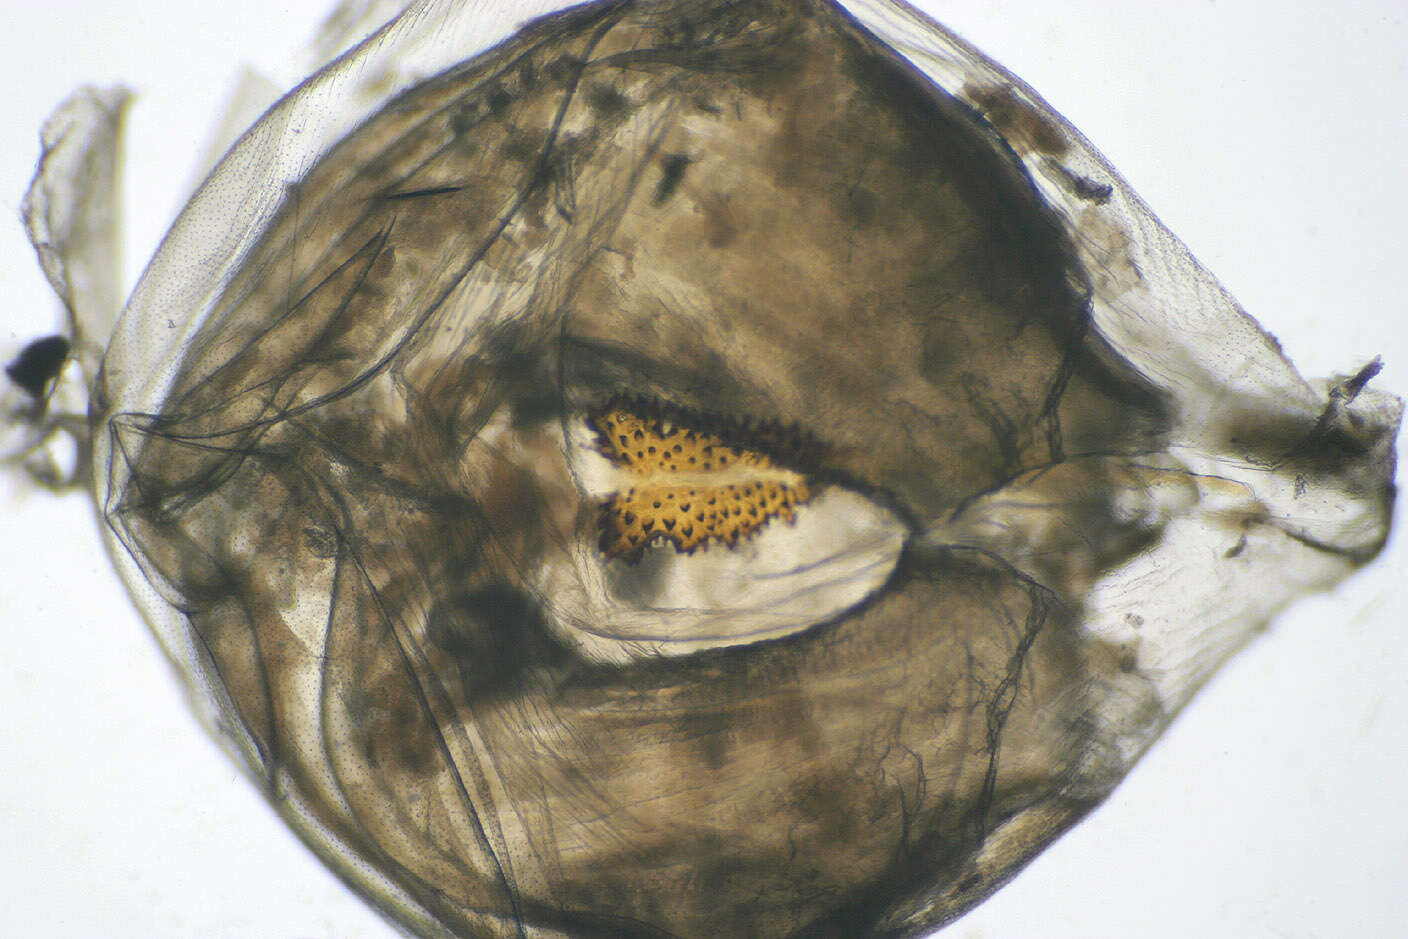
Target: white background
{"type": "Point", "coordinates": [1274, 144]}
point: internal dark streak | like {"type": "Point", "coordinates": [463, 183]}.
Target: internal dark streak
{"type": "Point", "coordinates": [422, 193]}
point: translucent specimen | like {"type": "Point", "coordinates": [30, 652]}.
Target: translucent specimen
{"type": "Point", "coordinates": [365, 469]}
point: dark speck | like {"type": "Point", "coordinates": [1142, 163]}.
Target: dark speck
{"type": "Point", "coordinates": [38, 364]}
{"type": "Point", "coordinates": [672, 169]}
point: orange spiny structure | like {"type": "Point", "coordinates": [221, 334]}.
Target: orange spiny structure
{"type": "Point", "coordinates": [694, 478]}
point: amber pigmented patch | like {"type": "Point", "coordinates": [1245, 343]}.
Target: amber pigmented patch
{"type": "Point", "coordinates": [693, 478]}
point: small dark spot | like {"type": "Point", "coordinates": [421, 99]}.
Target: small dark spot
{"type": "Point", "coordinates": [499, 99]}
{"type": "Point", "coordinates": [1091, 191]}
{"type": "Point", "coordinates": [38, 364]}
{"type": "Point", "coordinates": [1083, 187]}
{"type": "Point", "coordinates": [463, 119]}
{"type": "Point", "coordinates": [605, 100]}
{"type": "Point", "coordinates": [672, 167]}
{"type": "Point", "coordinates": [495, 634]}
